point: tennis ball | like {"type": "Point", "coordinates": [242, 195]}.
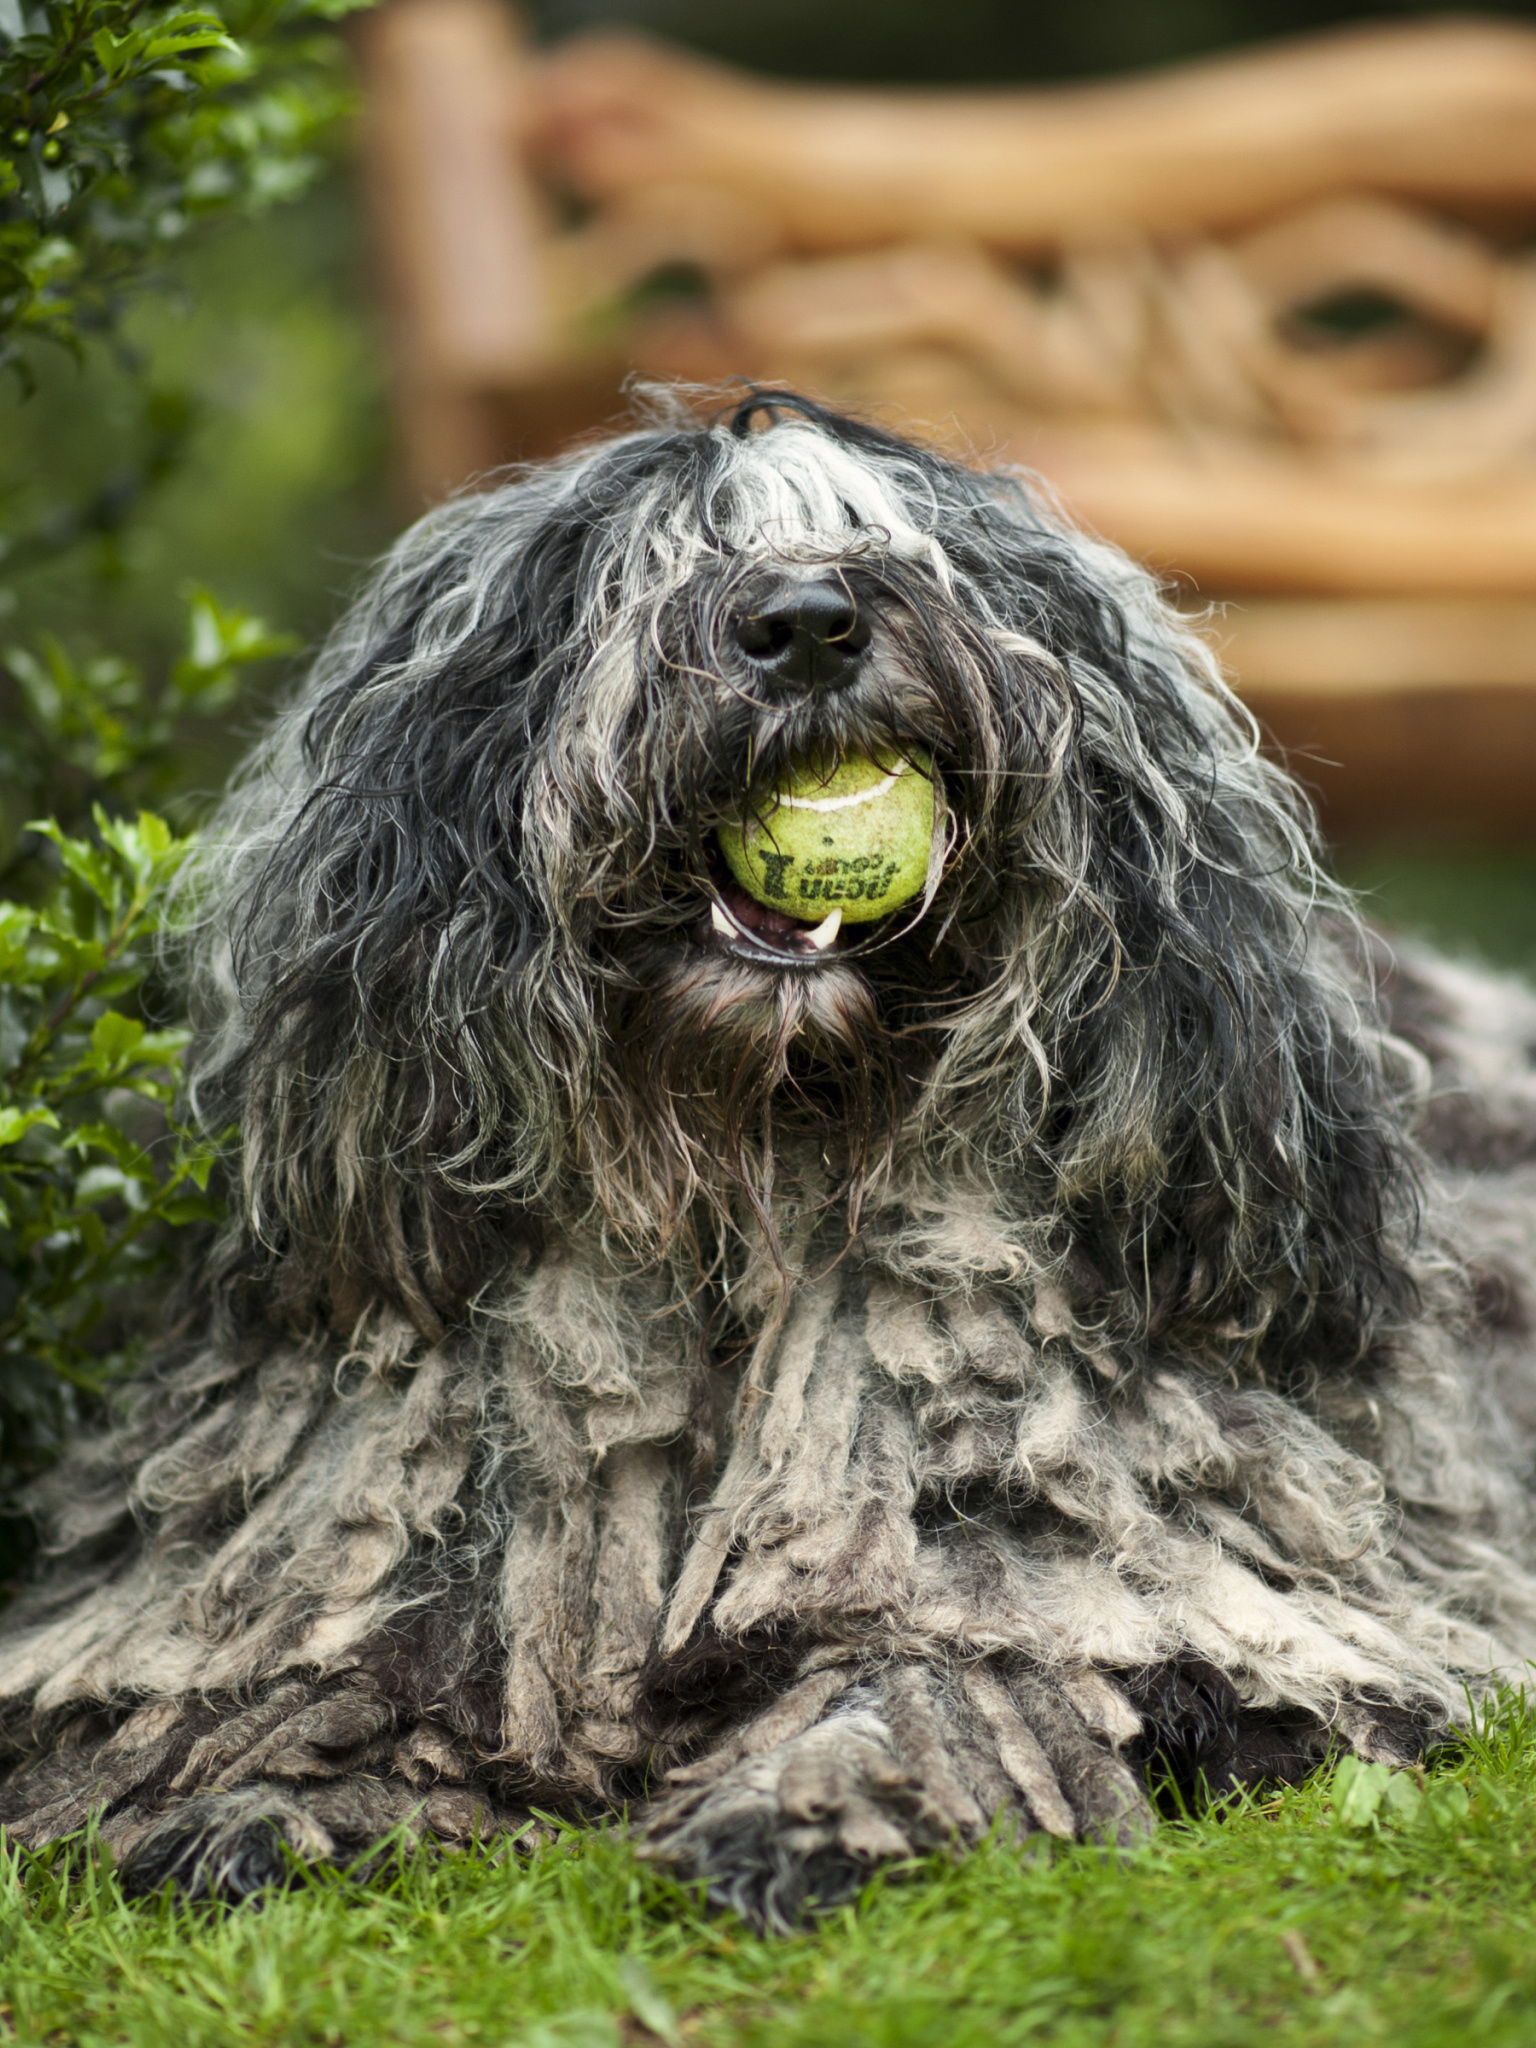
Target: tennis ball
{"type": "Point", "coordinates": [854, 838]}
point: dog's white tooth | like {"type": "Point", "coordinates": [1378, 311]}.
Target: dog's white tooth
{"type": "Point", "coordinates": [719, 917]}
{"type": "Point", "coordinates": [826, 931]}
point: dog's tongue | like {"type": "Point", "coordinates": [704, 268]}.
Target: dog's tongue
{"type": "Point", "coordinates": [758, 917]}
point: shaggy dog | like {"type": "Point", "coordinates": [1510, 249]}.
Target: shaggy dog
{"type": "Point", "coordinates": [828, 1394]}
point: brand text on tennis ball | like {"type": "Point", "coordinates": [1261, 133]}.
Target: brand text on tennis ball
{"type": "Point", "coordinates": [854, 838]}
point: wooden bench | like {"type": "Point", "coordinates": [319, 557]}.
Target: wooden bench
{"type": "Point", "coordinates": [1269, 322]}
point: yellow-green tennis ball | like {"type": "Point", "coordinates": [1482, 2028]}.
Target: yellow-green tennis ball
{"type": "Point", "coordinates": [854, 839]}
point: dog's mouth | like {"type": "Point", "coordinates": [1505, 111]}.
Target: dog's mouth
{"type": "Point", "coordinates": [860, 870]}
{"type": "Point", "coordinates": [752, 931]}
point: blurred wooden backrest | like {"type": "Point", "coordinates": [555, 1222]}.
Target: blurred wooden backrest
{"type": "Point", "coordinates": [1270, 324]}
{"type": "Point", "coordinates": [459, 227]}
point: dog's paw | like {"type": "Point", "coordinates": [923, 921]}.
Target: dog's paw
{"type": "Point", "coordinates": [846, 1772]}
{"type": "Point", "coordinates": [230, 1843]}
{"type": "Point", "coordinates": [803, 1820]}
{"type": "Point", "coordinates": [223, 1804]}
{"type": "Point", "coordinates": [222, 1845]}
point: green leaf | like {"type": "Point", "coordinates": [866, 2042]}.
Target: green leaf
{"type": "Point", "coordinates": [1358, 1791]}
{"type": "Point", "coordinates": [104, 1183]}
{"type": "Point", "coordinates": [114, 1038]}
{"type": "Point", "coordinates": [220, 642]}
{"type": "Point", "coordinates": [64, 952]}
{"type": "Point", "coordinates": [201, 1156]}
{"type": "Point", "coordinates": [117, 1145]}
{"type": "Point", "coordinates": [162, 1048]}
{"type": "Point", "coordinates": [15, 1123]}
{"type": "Point", "coordinates": [17, 926]}
{"type": "Point", "coordinates": [87, 863]}
{"type": "Point", "coordinates": [114, 54]}
{"type": "Point", "coordinates": [163, 46]}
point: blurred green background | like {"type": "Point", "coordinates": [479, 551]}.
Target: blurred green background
{"type": "Point", "coordinates": [267, 345]}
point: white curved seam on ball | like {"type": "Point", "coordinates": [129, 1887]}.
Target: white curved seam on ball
{"type": "Point", "coordinates": [845, 803]}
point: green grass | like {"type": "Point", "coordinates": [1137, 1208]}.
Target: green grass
{"type": "Point", "coordinates": [1361, 1907]}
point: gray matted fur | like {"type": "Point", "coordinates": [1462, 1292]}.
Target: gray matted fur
{"type": "Point", "coordinates": [825, 1397]}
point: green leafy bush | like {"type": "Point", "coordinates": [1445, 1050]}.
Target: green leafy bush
{"type": "Point", "coordinates": [94, 1168]}
{"type": "Point", "coordinates": [96, 732]}
{"type": "Point", "coordinates": [122, 124]}
{"type": "Point", "coordinates": [96, 1171]}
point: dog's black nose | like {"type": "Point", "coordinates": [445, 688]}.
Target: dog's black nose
{"type": "Point", "coordinates": [806, 636]}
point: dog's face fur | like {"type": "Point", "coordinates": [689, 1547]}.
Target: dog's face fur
{"type": "Point", "coordinates": [480, 976]}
